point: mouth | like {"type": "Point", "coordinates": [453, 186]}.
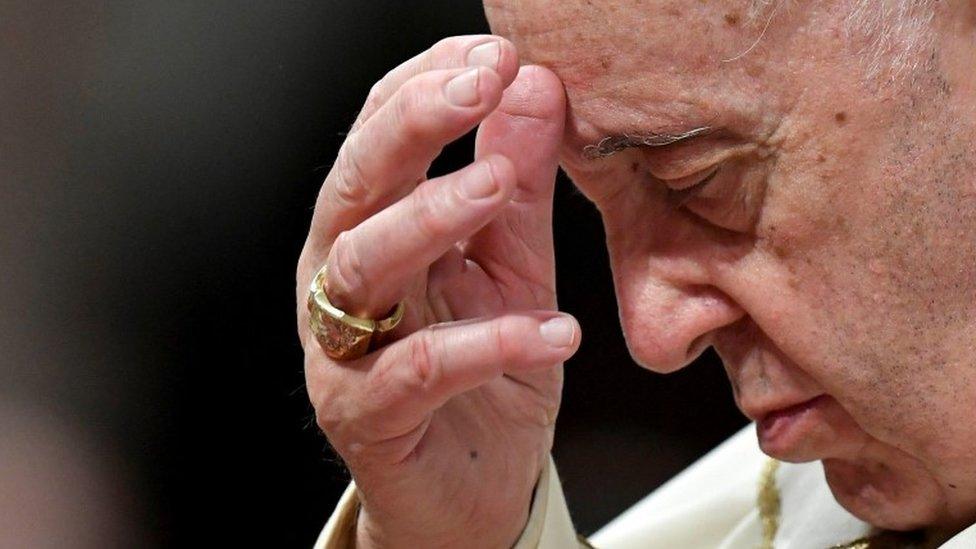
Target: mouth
{"type": "Point", "coordinates": [785, 427]}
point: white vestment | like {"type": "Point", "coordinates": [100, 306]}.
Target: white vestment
{"type": "Point", "coordinates": [712, 504]}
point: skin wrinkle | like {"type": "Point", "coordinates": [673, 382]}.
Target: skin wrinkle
{"type": "Point", "coordinates": [858, 277]}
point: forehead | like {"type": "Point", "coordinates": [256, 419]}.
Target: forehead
{"type": "Point", "coordinates": [643, 64]}
{"type": "Point", "coordinates": [584, 38]}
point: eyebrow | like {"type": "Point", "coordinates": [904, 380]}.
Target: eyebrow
{"type": "Point", "coordinates": [610, 145]}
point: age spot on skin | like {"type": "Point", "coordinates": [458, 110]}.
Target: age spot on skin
{"type": "Point", "coordinates": [840, 117]}
{"type": "Point", "coordinates": [473, 454]}
{"type": "Point", "coordinates": [731, 19]}
{"type": "Point", "coordinates": [781, 251]}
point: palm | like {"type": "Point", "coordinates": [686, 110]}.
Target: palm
{"type": "Point", "coordinates": [471, 288]}
{"type": "Point", "coordinates": [504, 424]}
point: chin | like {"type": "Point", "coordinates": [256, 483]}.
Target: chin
{"type": "Point", "coordinates": [883, 495]}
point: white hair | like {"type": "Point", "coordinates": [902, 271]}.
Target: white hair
{"type": "Point", "coordinates": [895, 33]}
{"type": "Point", "coordinates": [890, 35]}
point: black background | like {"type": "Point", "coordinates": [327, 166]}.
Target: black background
{"type": "Point", "coordinates": [159, 164]}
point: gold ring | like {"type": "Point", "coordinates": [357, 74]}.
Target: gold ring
{"type": "Point", "coordinates": [341, 335]}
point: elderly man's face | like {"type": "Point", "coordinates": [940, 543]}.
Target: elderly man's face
{"type": "Point", "coordinates": [821, 235]}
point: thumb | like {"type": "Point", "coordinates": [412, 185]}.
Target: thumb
{"type": "Point", "coordinates": [527, 128]}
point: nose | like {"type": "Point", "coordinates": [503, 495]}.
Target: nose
{"type": "Point", "coordinates": [668, 323]}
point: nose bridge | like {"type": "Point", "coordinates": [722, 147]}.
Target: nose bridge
{"type": "Point", "coordinates": [669, 308]}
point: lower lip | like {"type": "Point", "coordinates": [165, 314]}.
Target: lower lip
{"type": "Point", "coordinates": [781, 427]}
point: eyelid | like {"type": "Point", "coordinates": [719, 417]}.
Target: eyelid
{"type": "Point", "coordinates": [679, 165]}
{"type": "Point", "coordinates": [679, 196]}
{"type": "Point", "coordinates": [695, 179]}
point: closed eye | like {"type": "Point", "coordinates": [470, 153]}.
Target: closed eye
{"type": "Point", "coordinates": [679, 197]}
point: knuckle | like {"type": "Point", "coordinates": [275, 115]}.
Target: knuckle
{"type": "Point", "coordinates": [410, 116]}
{"type": "Point", "coordinates": [446, 49]}
{"type": "Point", "coordinates": [302, 278]}
{"type": "Point", "coordinates": [509, 349]}
{"type": "Point", "coordinates": [428, 211]}
{"type": "Point", "coordinates": [425, 362]}
{"type": "Point", "coordinates": [328, 419]}
{"type": "Point", "coordinates": [349, 186]}
{"type": "Point", "coordinates": [346, 276]}
{"type": "Point", "coordinates": [328, 414]}
{"type": "Point", "coordinates": [374, 99]}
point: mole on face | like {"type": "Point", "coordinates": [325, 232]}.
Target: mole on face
{"type": "Point", "coordinates": [840, 117]}
{"type": "Point", "coordinates": [731, 19]}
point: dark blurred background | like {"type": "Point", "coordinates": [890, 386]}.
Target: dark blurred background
{"type": "Point", "coordinates": [158, 165]}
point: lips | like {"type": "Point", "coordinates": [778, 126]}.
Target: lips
{"type": "Point", "coordinates": [774, 416]}
{"type": "Point", "coordinates": [787, 426]}
{"type": "Point", "coordinates": [760, 411]}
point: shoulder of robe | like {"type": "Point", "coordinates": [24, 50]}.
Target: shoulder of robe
{"type": "Point", "coordinates": [698, 507]}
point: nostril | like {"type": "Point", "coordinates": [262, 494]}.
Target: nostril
{"type": "Point", "coordinates": [668, 326]}
{"type": "Point", "coordinates": [697, 347]}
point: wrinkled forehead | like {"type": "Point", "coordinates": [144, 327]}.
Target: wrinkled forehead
{"type": "Point", "coordinates": [667, 60]}
{"type": "Point", "coordinates": [584, 38]}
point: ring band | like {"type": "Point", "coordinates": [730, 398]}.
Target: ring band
{"type": "Point", "coordinates": [341, 335]}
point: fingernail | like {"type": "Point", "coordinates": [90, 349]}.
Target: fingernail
{"type": "Point", "coordinates": [558, 332]}
{"type": "Point", "coordinates": [485, 55]}
{"type": "Point", "coordinates": [462, 90]}
{"type": "Point", "coordinates": [479, 185]}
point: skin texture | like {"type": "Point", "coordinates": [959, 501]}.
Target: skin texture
{"type": "Point", "coordinates": [834, 253]}
{"type": "Point", "coordinates": [446, 427]}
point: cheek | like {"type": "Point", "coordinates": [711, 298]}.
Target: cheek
{"type": "Point", "coordinates": [810, 231]}
{"type": "Point", "coordinates": [883, 277]}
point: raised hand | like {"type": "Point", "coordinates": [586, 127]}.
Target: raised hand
{"type": "Point", "coordinates": [446, 428]}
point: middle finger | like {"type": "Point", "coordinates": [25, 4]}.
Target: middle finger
{"type": "Point", "coordinates": [394, 149]}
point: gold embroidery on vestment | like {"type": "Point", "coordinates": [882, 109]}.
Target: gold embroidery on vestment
{"type": "Point", "coordinates": [768, 501]}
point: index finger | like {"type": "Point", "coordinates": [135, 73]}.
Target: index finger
{"type": "Point", "coordinates": [479, 50]}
